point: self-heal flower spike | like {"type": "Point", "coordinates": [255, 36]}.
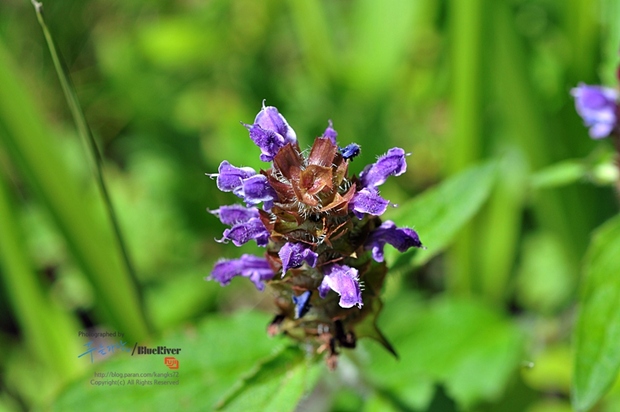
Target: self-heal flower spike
{"type": "Point", "coordinates": [321, 231]}
{"type": "Point", "coordinates": [598, 107]}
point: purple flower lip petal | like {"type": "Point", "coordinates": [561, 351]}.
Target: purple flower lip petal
{"type": "Point", "coordinates": [302, 304]}
{"type": "Point", "coordinates": [270, 119]}
{"type": "Point", "coordinates": [243, 232]}
{"type": "Point", "coordinates": [330, 132]}
{"type": "Point", "coordinates": [368, 201]}
{"type": "Point", "coordinates": [233, 214]}
{"type": "Point", "coordinates": [598, 108]}
{"type": "Point", "coordinates": [255, 268]}
{"type": "Point", "coordinates": [255, 189]}
{"type": "Point", "coordinates": [230, 177]}
{"type": "Point", "coordinates": [268, 141]}
{"type": "Point", "coordinates": [270, 132]}
{"type": "Point", "coordinates": [350, 151]}
{"type": "Point", "coordinates": [293, 255]}
{"type": "Point", "coordinates": [344, 281]}
{"type": "Point", "coordinates": [390, 164]}
{"type": "Point", "coordinates": [401, 238]}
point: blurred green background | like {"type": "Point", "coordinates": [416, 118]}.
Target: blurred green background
{"type": "Point", "coordinates": [485, 325]}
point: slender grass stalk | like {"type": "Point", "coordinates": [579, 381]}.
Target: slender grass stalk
{"type": "Point", "coordinates": [524, 116]}
{"type": "Point", "coordinates": [89, 141]}
{"type": "Point", "coordinates": [89, 238]}
{"type": "Point", "coordinates": [467, 23]}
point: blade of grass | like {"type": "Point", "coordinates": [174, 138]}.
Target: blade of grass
{"type": "Point", "coordinates": [467, 24]}
{"type": "Point", "coordinates": [88, 139]}
{"type": "Point", "coordinates": [46, 329]}
{"type": "Point", "coordinates": [560, 212]}
{"type": "Point", "coordinates": [89, 238]}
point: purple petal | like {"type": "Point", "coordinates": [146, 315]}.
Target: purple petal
{"type": "Point", "coordinates": [270, 132]}
{"type": "Point", "coordinates": [302, 304]}
{"type": "Point", "coordinates": [390, 164]}
{"type": "Point", "coordinates": [598, 108]}
{"type": "Point", "coordinates": [270, 119]}
{"type": "Point", "coordinates": [230, 177]}
{"type": "Point", "coordinates": [350, 151]}
{"type": "Point", "coordinates": [255, 268]}
{"type": "Point", "coordinates": [233, 214]}
{"type": "Point", "coordinates": [344, 281]}
{"type": "Point", "coordinates": [268, 141]}
{"type": "Point", "coordinates": [243, 232]}
{"type": "Point", "coordinates": [368, 201]}
{"type": "Point", "coordinates": [255, 189]}
{"type": "Point", "coordinates": [293, 255]}
{"type": "Point", "coordinates": [402, 239]}
{"type": "Point", "coordinates": [330, 133]}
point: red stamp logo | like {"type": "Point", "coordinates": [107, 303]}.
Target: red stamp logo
{"type": "Point", "coordinates": [171, 362]}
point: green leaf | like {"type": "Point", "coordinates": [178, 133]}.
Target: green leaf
{"type": "Point", "coordinates": [597, 333]}
{"type": "Point", "coordinates": [463, 345]}
{"type": "Point", "coordinates": [274, 385]}
{"type": "Point", "coordinates": [559, 174]}
{"type": "Point", "coordinates": [544, 280]}
{"type": "Point", "coordinates": [439, 213]}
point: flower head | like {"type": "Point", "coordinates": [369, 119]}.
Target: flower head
{"type": "Point", "coordinates": [318, 224]}
{"type": "Point", "coordinates": [598, 108]}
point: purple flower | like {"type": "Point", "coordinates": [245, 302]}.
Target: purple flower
{"type": "Point", "coordinates": [233, 214]}
{"type": "Point", "coordinates": [390, 164]}
{"type": "Point", "coordinates": [302, 304]}
{"type": "Point", "coordinates": [252, 267]}
{"type": "Point", "coordinates": [246, 225]}
{"type": "Point", "coordinates": [402, 239]}
{"type": "Point", "coordinates": [293, 255]}
{"type": "Point", "coordinates": [598, 108]}
{"type": "Point", "coordinates": [254, 190]}
{"type": "Point", "coordinates": [230, 177]}
{"type": "Point", "coordinates": [320, 227]}
{"type": "Point", "coordinates": [330, 133]}
{"type": "Point", "coordinates": [243, 232]}
{"type": "Point", "coordinates": [368, 201]}
{"type": "Point", "coordinates": [344, 281]}
{"type": "Point", "coordinates": [270, 132]}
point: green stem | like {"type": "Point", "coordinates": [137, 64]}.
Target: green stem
{"type": "Point", "coordinates": [467, 18]}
